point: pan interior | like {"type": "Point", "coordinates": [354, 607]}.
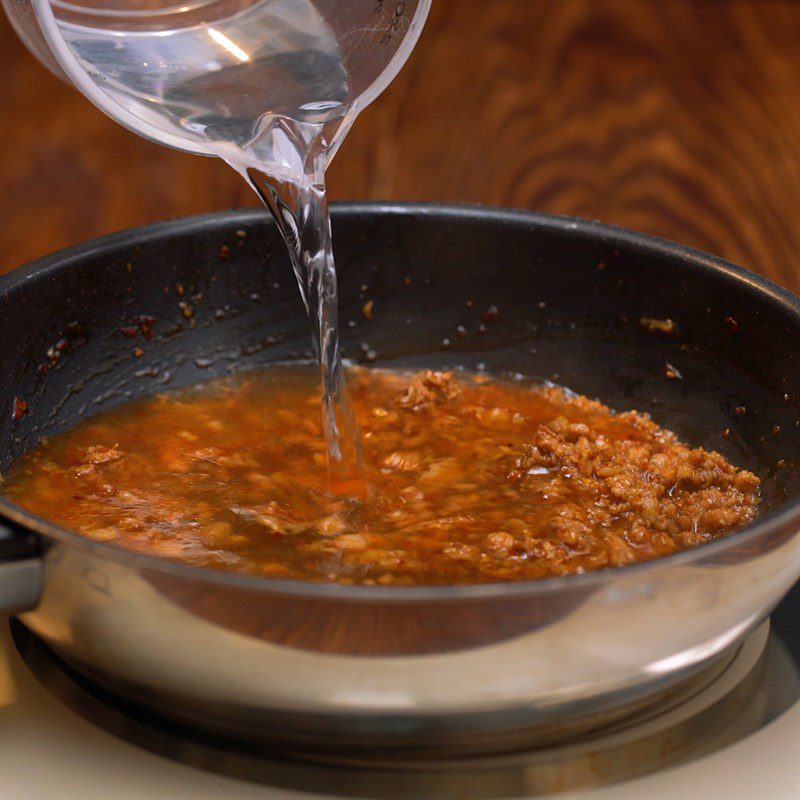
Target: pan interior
{"type": "Point", "coordinates": [570, 297]}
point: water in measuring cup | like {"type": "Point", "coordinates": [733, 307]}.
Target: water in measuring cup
{"type": "Point", "coordinates": [263, 85]}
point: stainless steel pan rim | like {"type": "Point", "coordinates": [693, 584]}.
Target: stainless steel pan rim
{"type": "Point", "coordinates": [395, 594]}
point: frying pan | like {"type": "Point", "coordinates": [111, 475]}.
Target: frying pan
{"type": "Point", "coordinates": [419, 671]}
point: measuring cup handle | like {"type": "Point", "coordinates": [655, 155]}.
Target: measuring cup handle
{"type": "Point", "coordinates": [21, 567]}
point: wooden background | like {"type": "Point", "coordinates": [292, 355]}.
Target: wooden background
{"type": "Point", "coordinates": [677, 117]}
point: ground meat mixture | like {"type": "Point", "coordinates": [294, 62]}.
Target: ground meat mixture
{"type": "Point", "coordinates": [468, 479]}
{"type": "Point", "coordinates": [427, 389]}
{"type": "Point", "coordinates": [644, 488]}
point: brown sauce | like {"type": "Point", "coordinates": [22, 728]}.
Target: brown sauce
{"type": "Point", "coordinates": [466, 480]}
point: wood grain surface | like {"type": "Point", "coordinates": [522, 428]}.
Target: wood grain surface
{"type": "Point", "coordinates": [674, 117]}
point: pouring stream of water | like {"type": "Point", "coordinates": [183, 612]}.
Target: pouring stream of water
{"type": "Point", "coordinates": [301, 212]}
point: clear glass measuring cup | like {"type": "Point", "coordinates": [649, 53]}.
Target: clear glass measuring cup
{"type": "Point", "coordinates": [223, 77]}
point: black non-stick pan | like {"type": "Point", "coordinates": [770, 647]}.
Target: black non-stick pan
{"type": "Point", "coordinates": [457, 668]}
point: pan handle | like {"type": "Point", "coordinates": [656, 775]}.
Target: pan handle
{"type": "Point", "coordinates": [21, 568]}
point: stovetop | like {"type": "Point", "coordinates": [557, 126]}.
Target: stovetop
{"type": "Point", "coordinates": [51, 750]}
